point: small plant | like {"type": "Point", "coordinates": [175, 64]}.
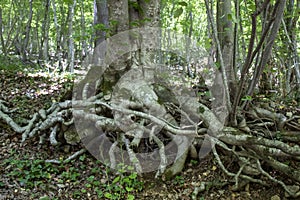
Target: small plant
{"type": "Point", "coordinates": [29, 173]}
{"type": "Point", "coordinates": [179, 180]}
{"type": "Point", "coordinates": [36, 173]}
{"type": "Point", "coordinates": [247, 98]}
{"type": "Point", "coordinates": [71, 174]}
{"type": "Point", "coordinates": [194, 162]}
{"type": "Point", "coordinates": [123, 185]}
{"type": "Point", "coordinates": [11, 63]}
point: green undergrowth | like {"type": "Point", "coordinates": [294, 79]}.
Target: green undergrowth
{"type": "Point", "coordinates": [80, 178]}
{"type": "Point", "coordinates": [13, 63]}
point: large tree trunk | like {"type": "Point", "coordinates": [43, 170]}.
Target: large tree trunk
{"type": "Point", "coordinates": [118, 16]}
{"type": "Point", "coordinates": [128, 76]}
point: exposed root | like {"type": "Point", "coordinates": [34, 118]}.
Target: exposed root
{"type": "Point", "coordinates": [73, 156]}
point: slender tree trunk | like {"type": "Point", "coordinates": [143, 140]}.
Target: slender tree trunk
{"type": "Point", "coordinates": [188, 43]}
{"type": "Point", "coordinates": [220, 89]}
{"type": "Point", "coordinates": [37, 39]}
{"type": "Point", "coordinates": [277, 13]}
{"type": "Point", "coordinates": [43, 54]}
{"type": "Point", "coordinates": [64, 32]}
{"type": "Point", "coordinates": [27, 33]}
{"type": "Point", "coordinates": [225, 35]}
{"type": "Point", "coordinates": [58, 33]}
{"type": "Point", "coordinates": [71, 51]}
{"type": "Point", "coordinates": [84, 46]}
{"type": "Point", "coordinates": [1, 33]}
{"type": "Point", "coordinates": [101, 21]}
{"type": "Point", "coordinates": [291, 31]}
{"type": "Point", "coordinates": [9, 32]}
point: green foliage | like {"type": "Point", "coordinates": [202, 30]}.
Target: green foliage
{"type": "Point", "coordinates": [13, 64]}
{"type": "Point", "coordinates": [123, 185]}
{"type": "Point", "coordinates": [136, 6]}
{"type": "Point", "coordinates": [68, 1]}
{"type": "Point", "coordinates": [1, 184]}
{"type": "Point", "coordinates": [247, 98]}
{"type": "Point", "coordinates": [182, 3]}
{"type": "Point", "coordinates": [194, 162]}
{"type": "Point", "coordinates": [176, 15]}
{"type": "Point", "coordinates": [138, 23]}
{"type": "Point", "coordinates": [32, 172]}
{"type": "Point", "coordinates": [72, 174]}
{"type": "Point", "coordinates": [201, 109]}
{"type": "Point", "coordinates": [178, 12]}
{"type": "Point", "coordinates": [232, 18]}
{"type": "Point", "coordinates": [179, 180]}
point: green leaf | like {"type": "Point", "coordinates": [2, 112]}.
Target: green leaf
{"type": "Point", "coordinates": [82, 158]}
{"type": "Point", "coordinates": [201, 109]}
{"type": "Point", "coordinates": [129, 189]}
{"type": "Point", "coordinates": [247, 98]}
{"type": "Point", "coordinates": [252, 7]}
{"type": "Point", "coordinates": [130, 197]}
{"type": "Point", "coordinates": [2, 184]}
{"type": "Point", "coordinates": [130, 168]}
{"type": "Point", "coordinates": [68, 1]}
{"type": "Point", "coordinates": [133, 176]}
{"type": "Point", "coordinates": [207, 44]}
{"type": "Point", "coordinates": [116, 180]}
{"type": "Point", "coordinates": [178, 12]}
{"type": "Point", "coordinates": [126, 180]}
{"type": "Point", "coordinates": [108, 195]}
{"type": "Point", "coordinates": [182, 3]}
{"type": "Point", "coordinates": [90, 178]}
{"type": "Point", "coordinates": [232, 18]}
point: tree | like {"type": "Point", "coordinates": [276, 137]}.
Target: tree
{"type": "Point", "coordinates": [43, 53]}
{"type": "Point", "coordinates": [101, 20]}
{"type": "Point", "coordinates": [225, 37]}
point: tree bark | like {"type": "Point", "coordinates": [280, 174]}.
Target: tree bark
{"type": "Point", "coordinates": [100, 17]}
{"type": "Point", "coordinates": [43, 54]}
{"type": "Point", "coordinates": [118, 16]}
{"type": "Point", "coordinates": [58, 33]}
{"type": "Point", "coordinates": [71, 51]}
{"type": "Point", "coordinates": [27, 33]}
{"type": "Point", "coordinates": [225, 35]}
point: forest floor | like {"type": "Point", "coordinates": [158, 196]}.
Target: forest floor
{"type": "Point", "coordinates": [25, 175]}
